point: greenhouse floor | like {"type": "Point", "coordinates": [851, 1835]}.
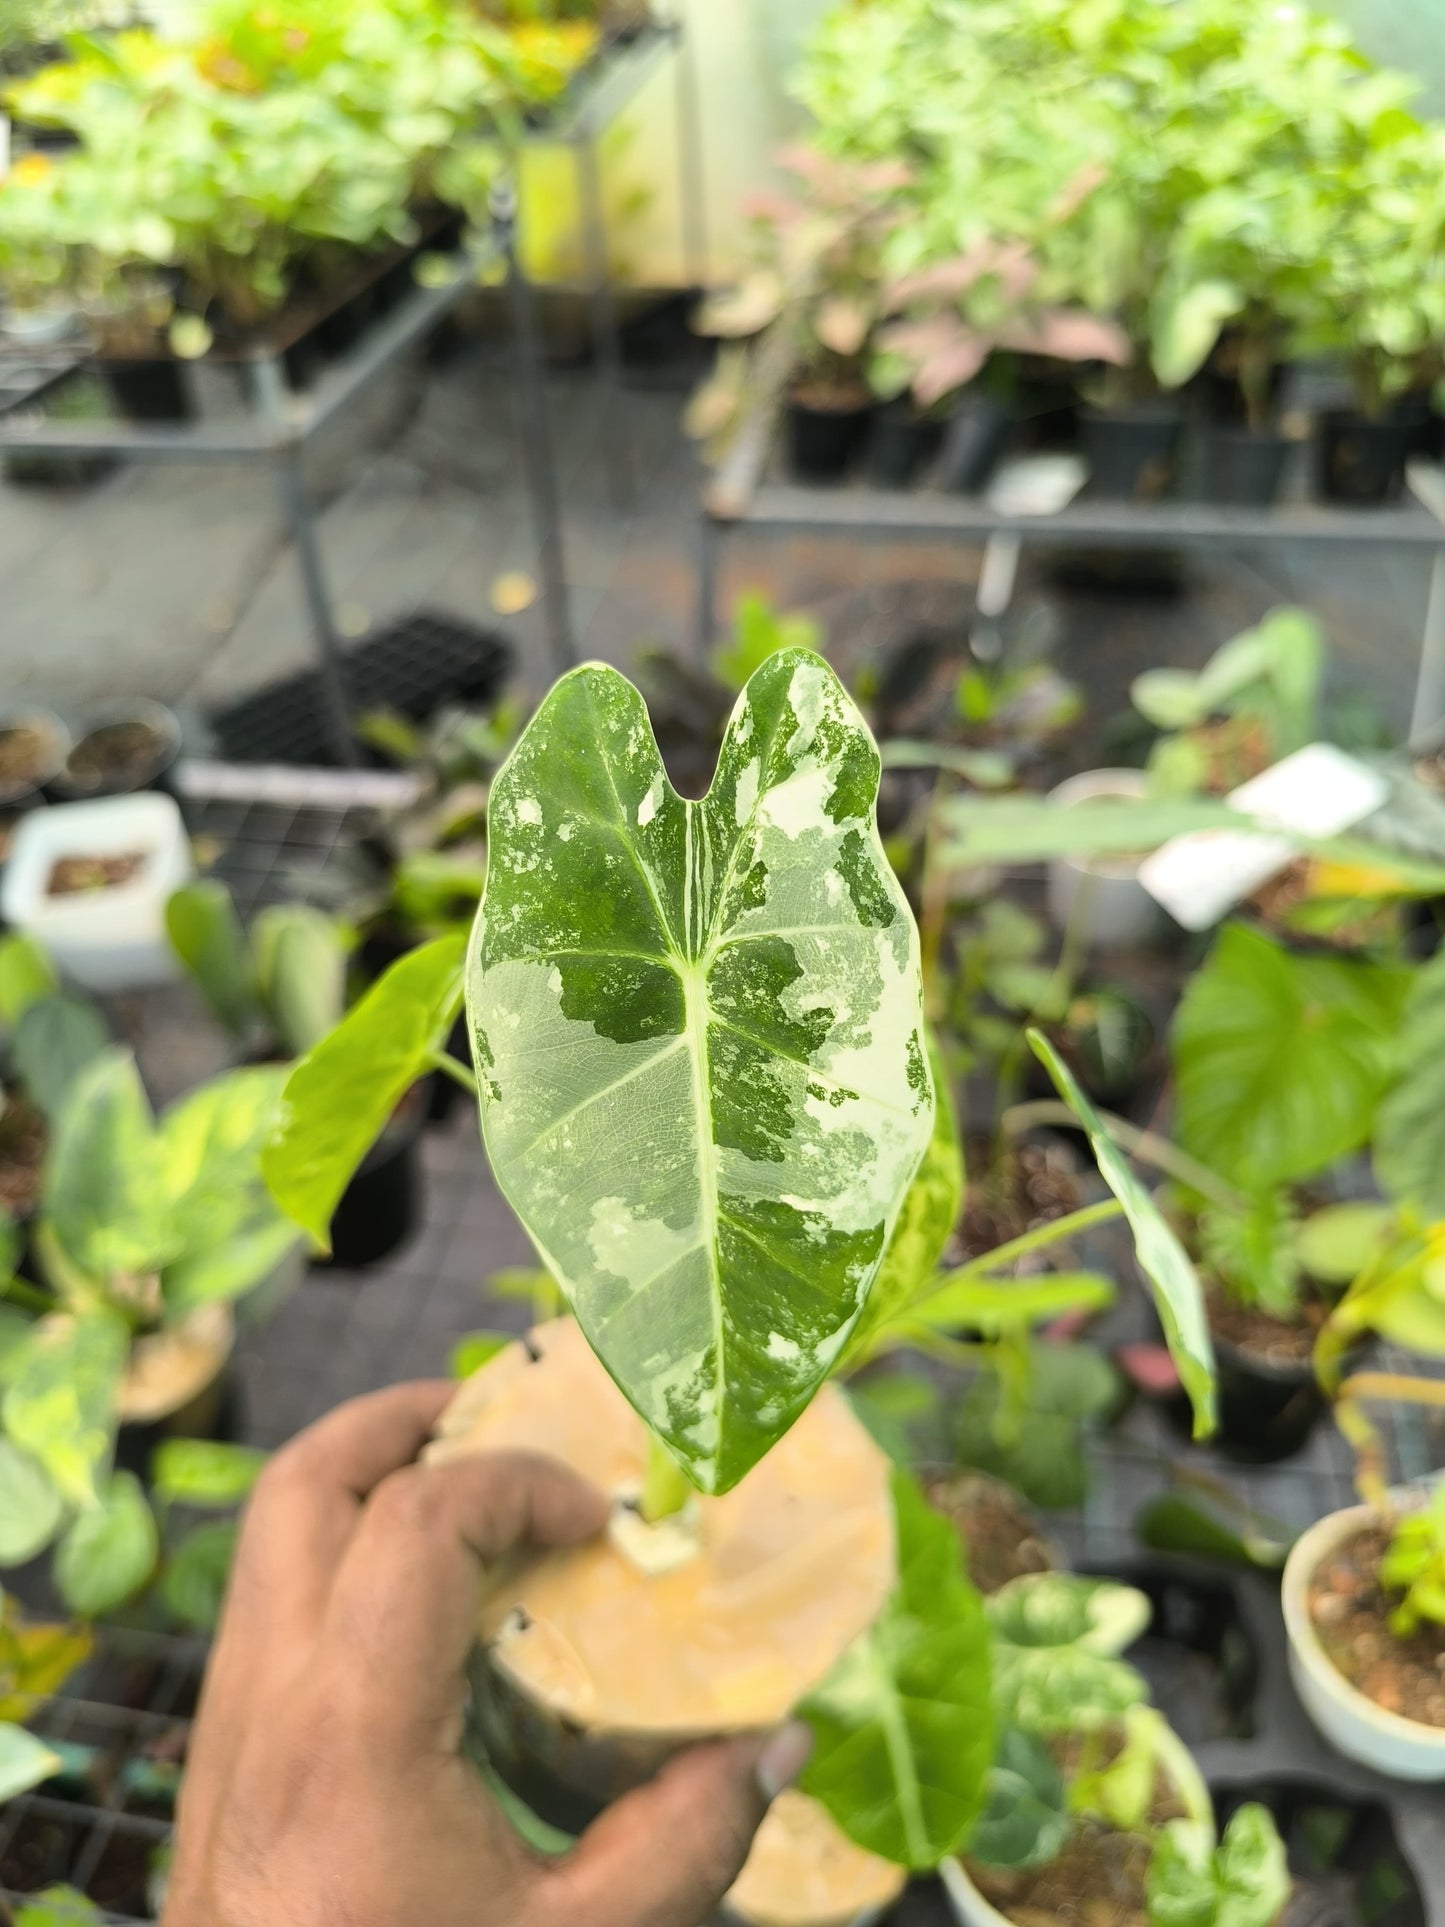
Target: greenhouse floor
{"type": "Point", "coordinates": [178, 581]}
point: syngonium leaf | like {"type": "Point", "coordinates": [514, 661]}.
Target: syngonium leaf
{"type": "Point", "coordinates": [1173, 1281]}
{"type": "Point", "coordinates": [195, 1578]}
{"type": "Point", "coordinates": [340, 1097]}
{"type": "Point", "coordinates": [59, 1404]}
{"type": "Point", "coordinates": [1244, 1882]}
{"type": "Point", "coordinates": [1280, 1061]}
{"type": "Point", "coordinates": [1410, 1130]}
{"type": "Point", "coordinates": [903, 1737]}
{"type": "Point", "coordinates": [699, 1035]}
{"type": "Point", "coordinates": [1056, 1641]}
{"type": "Point", "coordinates": [925, 1222]}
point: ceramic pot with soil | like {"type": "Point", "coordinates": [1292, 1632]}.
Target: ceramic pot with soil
{"type": "Point", "coordinates": [125, 747]}
{"type": "Point", "coordinates": [1131, 452]}
{"type": "Point", "coordinates": [826, 427]}
{"type": "Point", "coordinates": [33, 747]}
{"type": "Point", "coordinates": [595, 1664]}
{"type": "Point", "coordinates": [1360, 461]}
{"type": "Point", "coordinates": [1377, 1697]}
{"type": "Point", "coordinates": [1241, 467]}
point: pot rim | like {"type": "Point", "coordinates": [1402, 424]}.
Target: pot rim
{"type": "Point", "coordinates": [163, 722]}
{"type": "Point", "coordinates": [1103, 784]}
{"type": "Point", "coordinates": [1300, 1567]}
{"type": "Point", "coordinates": [36, 717]}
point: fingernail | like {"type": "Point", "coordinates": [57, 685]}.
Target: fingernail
{"type": "Point", "coordinates": [783, 1758]}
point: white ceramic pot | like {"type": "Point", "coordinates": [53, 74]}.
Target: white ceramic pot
{"type": "Point", "coordinates": [1354, 1725]}
{"type": "Point", "coordinates": [104, 940]}
{"type": "Point", "coordinates": [968, 1904]}
{"type": "Point", "coordinates": [1101, 898]}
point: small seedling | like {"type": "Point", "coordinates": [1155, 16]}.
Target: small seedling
{"type": "Point", "coordinates": [1414, 1565]}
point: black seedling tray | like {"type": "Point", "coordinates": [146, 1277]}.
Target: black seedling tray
{"type": "Point", "coordinates": [422, 662]}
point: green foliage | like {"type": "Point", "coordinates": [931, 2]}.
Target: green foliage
{"type": "Point", "coordinates": [109, 1552]}
{"type": "Point", "coordinates": [1414, 1565]}
{"type": "Point", "coordinates": [1164, 1261]}
{"type": "Point", "coordinates": [55, 1040]}
{"type": "Point", "coordinates": [1056, 1641]}
{"type": "Point", "coordinates": [1281, 1060]}
{"type": "Point", "coordinates": [30, 1506]}
{"type": "Point", "coordinates": [25, 1762]}
{"type": "Point", "coordinates": [202, 1472]}
{"type": "Point", "coordinates": [1025, 1820]}
{"type": "Point", "coordinates": [1027, 1426]}
{"type": "Point", "coordinates": [60, 1397]}
{"type": "Point", "coordinates": [1410, 1132]}
{"type": "Point", "coordinates": [104, 1197]}
{"type": "Point", "coordinates": [902, 1732]}
{"type": "Point", "coordinates": [1335, 1243]}
{"type": "Point", "coordinates": [471, 1352]}
{"type": "Point", "coordinates": [1254, 1253]}
{"type": "Point", "coordinates": [37, 1657]}
{"type": "Point", "coordinates": [340, 1097]}
{"type": "Point", "coordinates": [26, 977]}
{"type": "Point", "coordinates": [194, 1578]}
{"type": "Point", "coordinates": [288, 978]}
{"type": "Point", "coordinates": [58, 1907]}
{"type": "Point", "coordinates": [1269, 675]}
{"type": "Point", "coordinates": [1028, 829]}
{"type": "Point", "coordinates": [206, 933]}
{"type": "Point", "coordinates": [1242, 1882]}
{"type": "Point", "coordinates": [698, 1032]}
{"type": "Point", "coordinates": [760, 631]}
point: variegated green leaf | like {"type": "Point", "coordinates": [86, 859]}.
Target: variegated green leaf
{"type": "Point", "coordinates": [60, 1399]}
{"type": "Point", "coordinates": [698, 1029]}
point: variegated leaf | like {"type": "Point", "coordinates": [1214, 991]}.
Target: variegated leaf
{"type": "Point", "coordinates": [698, 1030]}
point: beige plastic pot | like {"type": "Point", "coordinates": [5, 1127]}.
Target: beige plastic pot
{"type": "Point", "coordinates": [1400, 1748]}
{"type": "Point", "coordinates": [1101, 898]}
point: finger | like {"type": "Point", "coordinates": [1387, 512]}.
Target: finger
{"type": "Point", "coordinates": [403, 1614]}
{"type": "Point", "coordinates": [665, 1855]}
{"type": "Point", "coordinates": [308, 1502]}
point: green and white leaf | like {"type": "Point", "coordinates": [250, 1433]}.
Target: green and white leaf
{"type": "Point", "coordinates": [340, 1097]}
{"type": "Point", "coordinates": [925, 1223]}
{"type": "Point", "coordinates": [1244, 1882]}
{"type": "Point", "coordinates": [59, 1404]}
{"type": "Point", "coordinates": [109, 1552]}
{"type": "Point", "coordinates": [1173, 1282]}
{"type": "Point", "coordinates": [1056, 1638]}
{"type": "Point", "coordinates": [1026, 1820]}
{"type": "Point", "coordinates": [105, 1194]}
{"type": "Point", "coordinates": [25, 1762]}
{"type": "Point", "coordinates": [30, 1506]}
{"type": "Point", "coordinates": [1030, 829]}
{"type": "Point", "coordinates": [1280, 1060]}
{"type": "Point", "coordinates": [903, 1736]}
{"type": "Point", "coordinates": [1410, 1130]}
{"type": "Point", "coordinates": [698, 1029]}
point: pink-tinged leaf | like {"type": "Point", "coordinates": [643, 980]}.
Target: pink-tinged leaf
{"type": "Point", "coordinates": [744, 310]}
{"type": "Point", "coordinates": [841, 323]}
{"type": "Point", "coordinates": [1076, 191]}
{"type": "Point", "coordinates": [947, 278]}
{"type": "Point", "coordinates": [770, 207]}
{"type": "Point", "coordinates": [884, 177]}
{"type": "Point", "coordinates": [1069, 334]}
{"type": "Point", "coordinates": [1150, 1368]}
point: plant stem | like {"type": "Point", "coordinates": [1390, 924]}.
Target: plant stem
{"type": "Point", "coordinates": [21, 1292]}
{"type": "Point", "coordinates": [1392, 1388]}
{"type": "Point", "coordinates": [666, 1488]}
{"type": "Point", "coordinates": [1144, 1145]}
{"type": "Point", "coordinates": [1039, 1239]}
{"type": "Point", "coordinates": [443, 1061]}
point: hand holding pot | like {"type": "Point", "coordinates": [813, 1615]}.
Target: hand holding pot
{"type": "Point", "coordinates": [325, 1782]}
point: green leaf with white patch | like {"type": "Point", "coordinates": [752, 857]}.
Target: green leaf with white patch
{"type": "Point", "coordinates": [340, 1097]}
{"type": "Point", "coordinates": [105, 1194]}
{"type": "Point", "coordinates": [699, 1035]}
{"type": "Point", "coordinates": [930, 1211]}
{"type": "Point", "coordinates": [30, 1506]}
{"type": "Point", "coordinates": [25, 1762]}
{"type": "Point", "coordinates": [1243, 1882]}
{"type": "Point", "coordinates": [1056, 1641]}
{"type": "Point", "coordinates": [1173, 1281]}
{"type": "Point", "coordinates": [903, 1738]}
{"type": "Point", "coordinates": [108, 1553]}
{"type": "Point", "coordinates": [60, 1399]}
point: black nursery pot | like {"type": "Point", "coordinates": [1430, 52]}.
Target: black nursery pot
{"type": "Point", "coordinates": [1241, 467]}
{"type": "Point", "coordinates": [822, 442]}
{"type": "Point", "coordinates": [1361, 462]}
{"type": "Point", "coordinates": [125, 746]}
{"type": "Point", "coordinates": [149, 391]}
{"type": "Point", "coordinates": [380, 1207]}
{"type": "Point", "coordinates": [214, 1413]}
{"type": "Point", "coordinates": [976, 438]}
{"type": "Point", "coordinates": [1131, 451]}
{"type": "Point", "coordinates": [1266, 1412]}
{"type": "Point", "coordinates": [901, 444]}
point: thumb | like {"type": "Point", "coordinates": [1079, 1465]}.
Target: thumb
{"type": "Point", "coordinates": [665, 1855]}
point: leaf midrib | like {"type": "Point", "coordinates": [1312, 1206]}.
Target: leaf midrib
{"type": "Point", "coordinates": [894, 1726]}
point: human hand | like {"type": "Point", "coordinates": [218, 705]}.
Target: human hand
{"type": "Point", "coordinates": [324, 1783]}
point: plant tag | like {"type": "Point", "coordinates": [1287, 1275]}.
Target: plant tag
{"type": "Point", "coordinates": [1317, 792]}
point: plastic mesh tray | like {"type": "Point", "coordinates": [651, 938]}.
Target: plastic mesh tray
{"type": "Point", "coordinates": [420, 663]}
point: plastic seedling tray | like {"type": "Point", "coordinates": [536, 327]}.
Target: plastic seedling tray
{"type": "Point", "coordinates": [420, 663]}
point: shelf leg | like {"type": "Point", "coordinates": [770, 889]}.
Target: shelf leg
{"type": "Point", "coordinates": [705, 620]}
{"type": "Point", "coordinates": [606, 331]}
{"type": "Point", "coordinates": [313, 575]}
{"type": "Point", "coordinates": [1429, 711]}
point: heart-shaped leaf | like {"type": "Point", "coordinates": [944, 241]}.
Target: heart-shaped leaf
{"type": "Point", "coordinates": [30, 1506]}
{"type": "Point", "coordinates": [903, 1736]}
{"type": "Point", "coordinates": [60, 1400]}
{"type": "Point", "coordinates": [110, 1552]}
{"type": "Point", "coordinates": [1056, 1641]}
{"type": "Point", "coordinates": [55, 1040]}
{"type": "Point", "coordinates": [699, 1036]}
{"type": "Point", "coordinates": [105, 1194]}
{"type": "Point", "coordinates": [1280, 1060]}
{"type": "Point", "coordinates": [1173, 1281]}
{"type": "Point", "coordinates": [1026, 1818]}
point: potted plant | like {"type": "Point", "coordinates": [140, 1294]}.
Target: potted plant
{"type": "Point", "coordinates": [150, 1232]}
{"type": "Point", "coordinates": [813, 299]}
{"type": "Point", "coordinates": [33, 748]}
{"type": "Point", "coordinates": [278, 991]}
{"type": "Point", "coordinates": [673, 1172]}
{"type": "Point", "coordinates": [123, 747]}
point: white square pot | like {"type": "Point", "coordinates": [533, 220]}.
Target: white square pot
{"type": "Point", "coordinates": [102, 940]}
